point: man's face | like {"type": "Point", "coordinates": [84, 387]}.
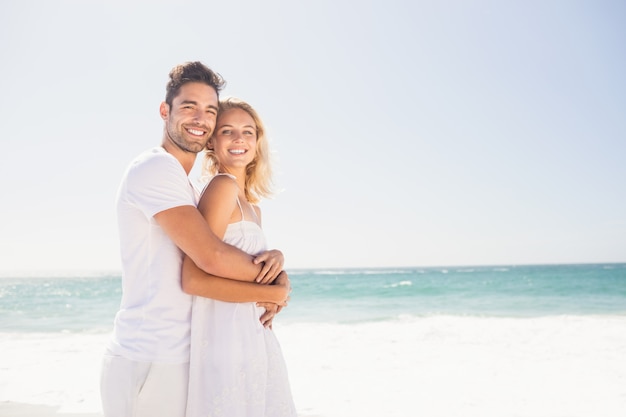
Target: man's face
{"type": "Point", "coordinates": [191, 119]}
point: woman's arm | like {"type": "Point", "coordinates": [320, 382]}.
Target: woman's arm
{"type": "Point", "coordinates": [197, 282]}
{"type": "Point", "coordinates": [217, 205]}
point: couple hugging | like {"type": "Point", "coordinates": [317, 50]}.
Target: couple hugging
{"type": "Point", "coordinates": [193, 333]}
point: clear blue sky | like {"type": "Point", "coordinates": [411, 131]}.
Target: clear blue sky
{"type": "Point", "coordinates": [407, 133]}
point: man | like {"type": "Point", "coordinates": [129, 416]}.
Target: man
{"type": "Point", "coordinates": [145, 369]}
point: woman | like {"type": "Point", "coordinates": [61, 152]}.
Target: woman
{"type": "Point", "coordinates": [236, 365]}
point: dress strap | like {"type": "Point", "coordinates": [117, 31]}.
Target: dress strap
{"type": "Point", "coordinates": [238, 202]}
{"type": "Point", "coordinates": [243, 218]}
{"type": "Point", "coordinates": [240, 209]}
{"type": "Point", "coordinates": [256, 216]}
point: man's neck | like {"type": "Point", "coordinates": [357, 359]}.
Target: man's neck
{"type": "Point", "coordinates": [186, 159]}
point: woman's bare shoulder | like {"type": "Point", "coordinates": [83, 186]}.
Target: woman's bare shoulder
{"type": "Point", "coordinates": [222, 189]}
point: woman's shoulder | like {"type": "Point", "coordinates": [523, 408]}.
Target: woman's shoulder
{"type": "Point", "coordinates": [222, 184]}
{"type": "Point", "coordinates": [223, 175]}
{"type": "Point", "coordinates": [223, 180]}
{"type": "Point", "coordinates": [219, 194]}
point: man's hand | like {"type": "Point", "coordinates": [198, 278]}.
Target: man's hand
{"type": "Point", "coordinates": [282, 280]}
{"type": "Point", "coordinates": [273, 261]}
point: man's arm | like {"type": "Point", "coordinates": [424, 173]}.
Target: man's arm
{"type": "Point", "coordinates": [192, 234]}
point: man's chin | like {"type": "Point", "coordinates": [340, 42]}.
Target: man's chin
{"type": "Point", "coordinates": [193, 147]}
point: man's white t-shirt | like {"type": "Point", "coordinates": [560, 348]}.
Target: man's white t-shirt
{"type": "Point", "coordinates": [153, 322]}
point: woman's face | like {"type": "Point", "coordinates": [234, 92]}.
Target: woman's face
{"type": "Point", "coordinates": [234, 141]}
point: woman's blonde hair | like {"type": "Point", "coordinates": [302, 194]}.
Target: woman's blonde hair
{"type": "Point", "coordinates": [258, 172]}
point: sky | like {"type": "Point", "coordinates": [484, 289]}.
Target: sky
{"type": "Point", "coordinates": [404, 133]}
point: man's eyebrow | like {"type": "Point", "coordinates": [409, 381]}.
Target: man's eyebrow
{"type": "Point", "coordinates": [195, 103]}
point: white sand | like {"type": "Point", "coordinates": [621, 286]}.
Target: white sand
{"type": "Point", "coordinates": [451, 366]}
{"type": "Point", "coordinates": [434, 367]}
{"type": "Point", "coordinates": [10, 409]}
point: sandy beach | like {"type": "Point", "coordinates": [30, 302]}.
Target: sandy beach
{"type": "Point", "coordinates": [436, 367]}
{"type": "Point", "coordinates": [12, 409]}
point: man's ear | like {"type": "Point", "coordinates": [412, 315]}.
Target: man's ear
{"type": "Point", "coordinates": [164, 110]}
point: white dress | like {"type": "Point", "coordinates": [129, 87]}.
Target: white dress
{"type": "Point", "coordinates": [236, 365]}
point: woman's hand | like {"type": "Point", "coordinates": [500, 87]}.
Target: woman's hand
{"type": "Point", "coordinates": [273, 261]}
{"type": "Point", "coordinates": [271, 310]}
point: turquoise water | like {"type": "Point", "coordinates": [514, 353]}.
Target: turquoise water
{"type": "Point", "coordinates": [514, 291]}
{"type": "Point", "coordinates": [88, 303]}
{"type": "Point", "coordinates": [59, 303]}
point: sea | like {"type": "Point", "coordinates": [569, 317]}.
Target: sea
{"type": "Point", "coordinates": [506, 340]}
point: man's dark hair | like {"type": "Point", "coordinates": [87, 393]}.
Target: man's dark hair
{"type": "Point", "coordinates": [192, 72]}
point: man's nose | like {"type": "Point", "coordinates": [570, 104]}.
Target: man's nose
{"type": "Point", "coordinates": [200, 117]}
